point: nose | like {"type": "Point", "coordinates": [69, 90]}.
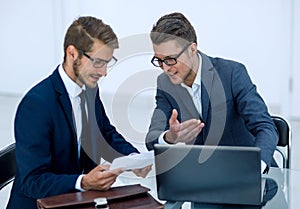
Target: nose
{"type": "Point", "coordinates": [103, 70]}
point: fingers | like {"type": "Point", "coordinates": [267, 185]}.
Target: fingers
{"type": "Point", "coordinates": [189, 135]}
{"type": "Point", "coordinates": [109, 177]}
{"type": "Point", "coordinates": [105, 183]}
{"type": "Point", "coordinates": [103, 167]}
{"type": "Point", "coordinates": [100, 178]}
{"type": "Point", "coordinates": [143, 172]}
{"type": "Point", "coordinates": [173, 118]}
{"type": "Point", "coordinates": [182, 132]}
{"type": "Point", "coordinates": [189, 130]}
{"type": "Point", "coordinates": [117, 171]}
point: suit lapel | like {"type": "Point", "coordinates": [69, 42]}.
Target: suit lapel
{"type": "Point", "coordinates": [64, 99]}
{"type": "Point", "coordinates": [213, 103]}
{"type": "Point", "coordinates": [207, 75]}
{"type": "Point", "coordinates": [187, 109]}
{"type": "Point", "coordinates": [187, 103]}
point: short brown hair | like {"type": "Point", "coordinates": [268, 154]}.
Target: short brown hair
{"type": "Point", "coordinates": [173, 26]}
{"type": "Point", "coordinates": [83, 32]}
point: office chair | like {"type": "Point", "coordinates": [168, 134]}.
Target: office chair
{"type": "Point", "coordinates": [8, 165]}
{"type": "Point", "coordinates": [284, 139]}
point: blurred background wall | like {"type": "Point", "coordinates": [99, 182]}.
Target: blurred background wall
{"type": "Point", "coordinates": [264, 35]}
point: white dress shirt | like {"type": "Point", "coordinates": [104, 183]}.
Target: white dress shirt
{"type": "Point", "coordinates": [74, 90]}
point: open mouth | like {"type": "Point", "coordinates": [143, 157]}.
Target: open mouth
{"type": "Point", "coordinates": [172, 74]}
{"type": "Point", "coordinates": [95, 77]}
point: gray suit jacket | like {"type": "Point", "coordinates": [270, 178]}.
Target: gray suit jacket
{"type": "Point", "coordinates": [232, 110]}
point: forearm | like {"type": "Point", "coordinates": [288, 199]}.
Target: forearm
{"type": "Point", "coordinates": [48, 184]}
{"type": "Point", "coordinates": [151, 139]}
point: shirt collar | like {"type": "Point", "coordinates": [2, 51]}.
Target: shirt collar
{"type": "Point", "coordinates": [72, 88]}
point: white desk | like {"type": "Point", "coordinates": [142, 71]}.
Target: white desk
{"type": "Point", "coordinates": [286, 197]}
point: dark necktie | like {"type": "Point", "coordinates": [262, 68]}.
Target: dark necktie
{"type": "Point", "coordinates": [86, 163]}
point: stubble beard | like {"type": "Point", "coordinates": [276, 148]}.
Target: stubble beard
{"type": "Point", "coordinates": [79, 78]}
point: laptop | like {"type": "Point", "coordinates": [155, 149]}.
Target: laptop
{"type": "Point", "coordinates": [209, 174]}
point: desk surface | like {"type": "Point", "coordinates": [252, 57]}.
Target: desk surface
{"type": "Point", "coordinates": [282, 194]}
{"type": "Point", "coordinates": [286, 196]}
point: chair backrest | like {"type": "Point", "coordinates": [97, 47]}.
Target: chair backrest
{"type": "Point", "coordinates": [8, 165]}
{"type": "Point", "coordinates": [284, 138]}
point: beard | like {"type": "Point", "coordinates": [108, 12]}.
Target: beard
{"type": "Point", "coordinates": [76, 64]}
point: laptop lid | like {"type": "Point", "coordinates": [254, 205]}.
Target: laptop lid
{"type": "Point", "coordinates": [208, 174]}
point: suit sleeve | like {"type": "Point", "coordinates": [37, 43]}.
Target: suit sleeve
{"type": "Point", "coordinates": [33, 125]}
{"type": "Point", "coordinates": [160, 118]}
{"type": "Point", "coordinates": [252, 108]}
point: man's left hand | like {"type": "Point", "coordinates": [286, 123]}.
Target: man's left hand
{"type": "Point", "coordinates": [142, 172]}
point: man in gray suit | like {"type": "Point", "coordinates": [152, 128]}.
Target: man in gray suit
{"type": "Point", "coordinates": [204, 100]}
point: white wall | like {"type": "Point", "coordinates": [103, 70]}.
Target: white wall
{"type": "Point", "coordinates": [295, 60]}
{"type": "Point", "coordinates": [261, 34]}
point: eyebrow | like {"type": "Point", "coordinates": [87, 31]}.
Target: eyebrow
{"type": "Point", "coordinates": [166, 57]}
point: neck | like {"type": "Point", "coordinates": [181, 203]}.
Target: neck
{"type": "Point", "coordinates": [70, 71]}
{"type": "Point", "coordinates": [193, 71]}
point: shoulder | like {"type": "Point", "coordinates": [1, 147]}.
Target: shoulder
{"type": "Point", "coordinates": [224, 67]}
{"type": "Point", "coordinates": [162, 77]}
{"type": "Point", "coordinates": [164, 80]}
{"type": "Point", "coordinates": [43, 89]}
{"type": "Point", "coordinates": [222, 63]}
{"type": "Point", "coordinates": [42, 93]}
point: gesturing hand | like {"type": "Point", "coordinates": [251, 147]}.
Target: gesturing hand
{"type": "Point", "coordinates": [182, 132]}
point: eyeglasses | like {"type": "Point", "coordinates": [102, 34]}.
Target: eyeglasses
{"type": "Point", "coordinates": [170, 61]}
{"type": "Point", "coordinates": [99, 63]}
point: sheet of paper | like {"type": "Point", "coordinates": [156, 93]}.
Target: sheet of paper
{"type": "Point", "coordinates": [135, 161]}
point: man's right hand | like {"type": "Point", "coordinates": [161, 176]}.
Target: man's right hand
{"type": "Point", "coordinates": [100, 178]}
{"type": "Point", "coordinates": [182, 132]}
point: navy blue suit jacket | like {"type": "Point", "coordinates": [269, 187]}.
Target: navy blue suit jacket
{"type": "Point", "coordinates": [46, 142]}
{"type": "Point", "coordinates": [232, 110]}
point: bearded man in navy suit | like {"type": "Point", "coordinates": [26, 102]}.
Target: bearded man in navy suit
{"type": "Point", "coordinates": [52, 157]}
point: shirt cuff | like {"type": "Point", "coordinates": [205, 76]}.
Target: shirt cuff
{"type": "Point", "coordinates": [78, 183]}
{"type": "Point", "coordinates": [161, 138]}
{"type": "Point", "coordinates": [263, 166]}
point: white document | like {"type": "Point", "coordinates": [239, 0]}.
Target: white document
{"type": "Point", "coordinates": [135, 161]}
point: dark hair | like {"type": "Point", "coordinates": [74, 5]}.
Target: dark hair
{"type": "Point", "coordinates": [83, 32]}
{"type": "Point", "coordinates": [174, 26]}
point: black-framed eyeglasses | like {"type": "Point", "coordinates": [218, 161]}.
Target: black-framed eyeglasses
{"type": "Point", "coordinates": [99, 63]}
{"type": "Point", "coordinates": [170, 61]}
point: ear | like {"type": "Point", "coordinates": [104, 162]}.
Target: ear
{"type": "Point", "coordinates": [194, 48]}
{"type": "Point", "coordinates": [72, 52]}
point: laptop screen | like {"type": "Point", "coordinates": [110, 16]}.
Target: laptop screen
{"type": "Point", "coordinates": [208, 174]}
